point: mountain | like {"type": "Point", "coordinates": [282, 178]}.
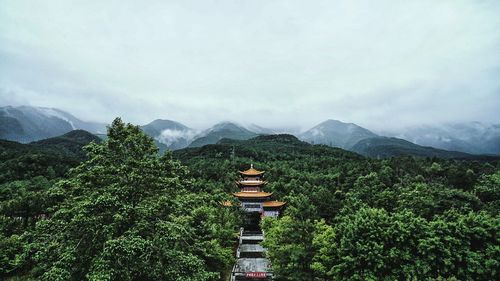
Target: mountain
{"type": "Point", "coordinates": [336, 133]}
{"type": "Point", "coordinates": [284, 140]}
{"type": "Point", "coordinates": [222, 130]}
{"type": "Point", "coordinates": [26, 123]}
{"type": "Point", "coordinates": [282, 147]}
{"type": "Point", "coordinates": [261, 130]}
{"type": "Point", "coordinates": [158, 125]}
{"type": "Point", "coordinates": [469, 137]}
{"type": "Point", "coordinates": [385, 147]}
{"type": "Point", "coordinates": [169, 134]}
{"type": "Point", "coordinates": [50, 158]}
{"type": "Point", "coordinates": [70, 143]}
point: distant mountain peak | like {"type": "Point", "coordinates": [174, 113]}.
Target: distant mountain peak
{"type": "Point", "coordinates": [261, 130]}
{"type": "Point", "coordinates": [225, 125]}
{"type": "Point", "coordinates": [336, 133]}
{"type": "Point", "coordinates": [333, 121]}
{"type": "Point", "coordinates": [165, 122]}
{"type": "Point", "coordinates": [169, 134]}
{"type": "Point", "coordinates": [221, 130]}
{"type": "Point", "coordinates": [30, 123]}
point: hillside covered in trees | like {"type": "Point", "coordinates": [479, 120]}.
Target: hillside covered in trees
{"type": "Point", "coordinates": [123, 211]}
{"type": "Point", "coordinates": [355, 218]}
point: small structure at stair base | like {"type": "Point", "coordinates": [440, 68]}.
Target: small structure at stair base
{"type": "Point", "coordinates": [251, 263]}
{"type": "Point", "coordinates": [252, 268]}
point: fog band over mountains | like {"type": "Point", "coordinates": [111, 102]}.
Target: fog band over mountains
{"type": "Point", "coordinates": [27, 124]}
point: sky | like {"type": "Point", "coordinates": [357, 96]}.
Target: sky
{"type": "Point", "coordinates": [379, 64]}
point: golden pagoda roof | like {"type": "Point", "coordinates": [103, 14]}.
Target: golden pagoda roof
{"type": "Point", "coordinates": [251, 194]}
{"type": "Point", "coordinates": [252, 172]}
{"type": "Point", "coordinates": [251, 183]}
{"type": "Point", "coordinates": [273, 204]}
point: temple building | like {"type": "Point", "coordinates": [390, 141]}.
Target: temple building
{"type": "Point", "coordinates": [252, 196]}
{"type": "Point", "coordinates": [251, 262]}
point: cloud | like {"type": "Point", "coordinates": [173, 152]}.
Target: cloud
{"type": "Point", "coordinates": [170, 136]}
{"type": "Point", "coordinates": [273, 63]}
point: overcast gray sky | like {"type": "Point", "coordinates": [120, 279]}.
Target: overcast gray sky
{"type": "Point", "coordinates": [381, 64]}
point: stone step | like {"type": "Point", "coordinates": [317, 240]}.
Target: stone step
{"type": "Point", "coordinates": [251, 263]}
{"type": "Point", "coordinates": [251, 239]}
{"type": "Point", "coordinates": [251, 232]}
{"type": "Point", "coordinates": [250, 251]}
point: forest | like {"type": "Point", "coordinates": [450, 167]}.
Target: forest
{"type": "Point", "coordinates": [122, 211]}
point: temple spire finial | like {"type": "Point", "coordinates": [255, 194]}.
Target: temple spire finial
{"type": "Point", "coordinates": [251, 165]}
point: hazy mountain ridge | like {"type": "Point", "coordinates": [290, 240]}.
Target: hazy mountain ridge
{"type": "Point", "coordinates": [266, 131]}
{"type": "Point", "coordinates": [386, 147]}
{"type": "Point", "coordinates": [469, 137]}
{"type": "Point", "coordinates": [80, 137]}
{"type": "Point", "coordinates": [336, 133]}
{"type": "Point", "coordinates": [169, 134]}
{"type": "Point", "coordinates": [26, 123]}
{"type": "Point", "coordinates": [220, 131]}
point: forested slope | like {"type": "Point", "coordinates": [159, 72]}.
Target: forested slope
{"type": "Point", "coordinates": [355, 218]}
{"type": "Point", "coordinates": [124, 212]}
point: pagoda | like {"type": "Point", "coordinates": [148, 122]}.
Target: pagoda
{"type": "Point", "coordinates": [252, 196]}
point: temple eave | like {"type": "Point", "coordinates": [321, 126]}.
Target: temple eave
{"type": "Point", "coordinates": [251, 183]}
{"type": "Point", "coordinates": [252, 194]}
{"type": "Point", "coordinates": [273, 204]}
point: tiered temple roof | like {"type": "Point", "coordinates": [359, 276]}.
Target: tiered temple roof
{"type": "Point", "coordinates": [252, 172]}
{"type": "Point", "coordinates": [252, 197]}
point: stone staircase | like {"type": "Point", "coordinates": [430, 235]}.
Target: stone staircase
{"type": "Point", "coordinates": [251, 263]}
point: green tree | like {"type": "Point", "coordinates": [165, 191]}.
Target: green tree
{"type": "Point", "coordinates": [289, 240]}
{"type": "Point", "coordinates": [488, 191]}
{"type": "Point", "coordinates": [124, 219]}
{"type": "Point", "coordinates": [370, 244]}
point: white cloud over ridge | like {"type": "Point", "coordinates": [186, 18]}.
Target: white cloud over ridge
{"type": "Point", "coordinates": [170, 136]}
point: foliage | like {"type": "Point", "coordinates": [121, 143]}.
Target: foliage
{"type": "Point", "coordinates": [124, 212]}
{"type": "Point", "coordinates": [372, 244]}
{"type": "Point", "coordinates": [356, 218]}
{"type": "Point", "coordinates": [127, 213]}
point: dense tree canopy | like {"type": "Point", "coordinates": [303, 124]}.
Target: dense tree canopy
{"type": "Point", "coordinates": [125, 212]}
{"type": "Point", "coordinates": [354, 218]}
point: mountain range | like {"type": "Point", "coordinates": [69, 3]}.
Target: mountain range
{"type": "Point", "coordinates": [27, 124]}
{"type": "Point", "coordinates": [470, 137]}
{"type": "Point", "coordinates": [385, 147]}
